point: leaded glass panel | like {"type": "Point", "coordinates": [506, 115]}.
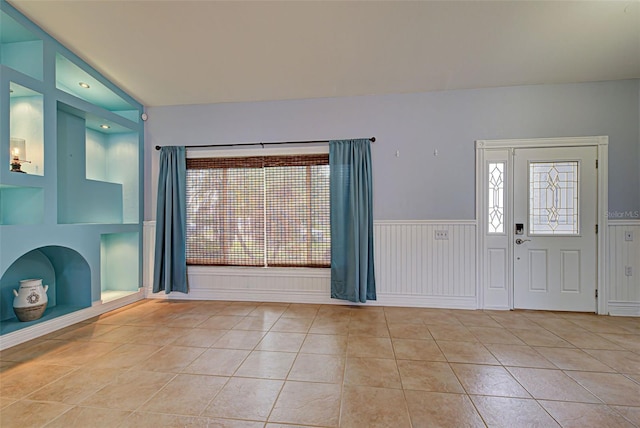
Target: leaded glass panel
{"type": "Point", "coordinates": [496, 197]}
{"type": "Point", "coordinates": [553, 198]}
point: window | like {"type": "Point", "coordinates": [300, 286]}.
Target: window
{"type": "Point", "coordinates": [259, 211]}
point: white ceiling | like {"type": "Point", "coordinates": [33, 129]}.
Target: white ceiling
{"type": "Point", "coordinates": [195, 52]}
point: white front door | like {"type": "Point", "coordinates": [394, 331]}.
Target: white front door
{"type": "Point", "coordinates": [555, 215]}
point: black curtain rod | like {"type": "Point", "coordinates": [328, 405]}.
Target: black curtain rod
{"type": "Point", "coordinates": [372, 139]}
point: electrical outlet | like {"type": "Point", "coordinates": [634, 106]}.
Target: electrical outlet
{"type": "Point", "coordinates": [628, 235]}
{"type": "Point", "coordinates": [441, 234]}
{"type": "Point", "coordinates": [628, 271]}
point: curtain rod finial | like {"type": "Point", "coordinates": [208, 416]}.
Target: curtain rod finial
{"type": "Point", "coordinates": [372, 139]}
{"type": "Point", "coordinates": [157, 147]}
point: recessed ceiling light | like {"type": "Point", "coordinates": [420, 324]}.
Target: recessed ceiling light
{"type": "Point", "coordinates": [84, 85]}
{"type": "Point", "coordinates": [105, 126]}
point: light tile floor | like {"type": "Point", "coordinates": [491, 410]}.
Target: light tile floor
{"type": "Point", "coordinates": [237, 364]}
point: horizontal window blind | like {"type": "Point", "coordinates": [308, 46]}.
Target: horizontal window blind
{"type": "Point", "coordinates": [259, 211]}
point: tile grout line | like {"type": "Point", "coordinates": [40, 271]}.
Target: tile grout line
{"type": "Point", "coordinates": [395, 357]}
{"type": "Point", "coordinates": [231, 376]}
{"type": "Point", "coordinates": [284, 381]}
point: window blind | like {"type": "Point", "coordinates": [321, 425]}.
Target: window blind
{"type": "Point", "coordinates": [259, 211]}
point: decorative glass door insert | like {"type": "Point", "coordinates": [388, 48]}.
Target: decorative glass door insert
{"type": "Point", "coordinates": [553, 198]}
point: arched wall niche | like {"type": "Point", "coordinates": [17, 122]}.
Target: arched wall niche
{"type": "Point", "coordinates": [63, 269]}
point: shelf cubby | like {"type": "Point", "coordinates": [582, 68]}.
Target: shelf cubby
{"type": "Point", "coordinates": [119, 264]}
{"type": "Point", "coordinates": [74, 80]}
{"type": "Point", "coordinates": [113, 158]}
{"type": "Point", "coordinates": [26, 128]}
{"type": "Point", "coordinates": [98, 170]}
{"type": "Point", "coordinates": [64, 270]}
{"type": "Point", "coordinates": [20, 49]}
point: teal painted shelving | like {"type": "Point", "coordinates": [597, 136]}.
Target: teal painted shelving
{"type": "Point", "coordinates": [73, 218]}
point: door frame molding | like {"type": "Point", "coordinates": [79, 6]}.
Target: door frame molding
{"type": "Point", "coordinates": [500, 296]}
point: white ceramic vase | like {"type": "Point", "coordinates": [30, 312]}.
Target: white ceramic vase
{"type": "Point", "coordinates": [30, 300]}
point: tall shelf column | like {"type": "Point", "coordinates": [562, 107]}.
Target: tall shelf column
{"type": "Point", "coordinates": [70, 213]}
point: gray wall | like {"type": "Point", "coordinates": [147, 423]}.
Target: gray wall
{"type": "Point", "coordinates": [417, 184]}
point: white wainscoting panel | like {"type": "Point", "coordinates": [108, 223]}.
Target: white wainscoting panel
{"type": "Point", "coordinates": [412, 269]}
{"type": "Point", "coordinates": [624, 291]}
{"type": "Point", "coordinates": [415, 269]}
{"type": "Point", "coordinates": [259, 284]}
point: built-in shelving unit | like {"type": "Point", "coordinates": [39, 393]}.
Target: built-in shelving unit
{"type": "Point", "coordinates": [70, 212]}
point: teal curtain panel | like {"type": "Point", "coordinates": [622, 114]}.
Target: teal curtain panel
{"type": "Point", "coordinates": [170, 263]}
{"type": "Point", "coordinates": [351, 199]}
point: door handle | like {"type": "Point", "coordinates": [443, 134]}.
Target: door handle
{"type": "Point", "coordinates": [520, 241]}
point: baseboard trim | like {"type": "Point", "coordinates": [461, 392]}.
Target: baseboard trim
{"type": "Point", "coordinates": [420, 301]}
{"type": "Point", "coordinates": [243, 295]}
{"type": "Point", "coordinates": [624, 309]}
{"type": "Point", "coordinates": [28, 333]}
{"type": "Point", "coordinates": [319, 297]}
{"type": "Point", "coordinates": [496, 308]}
